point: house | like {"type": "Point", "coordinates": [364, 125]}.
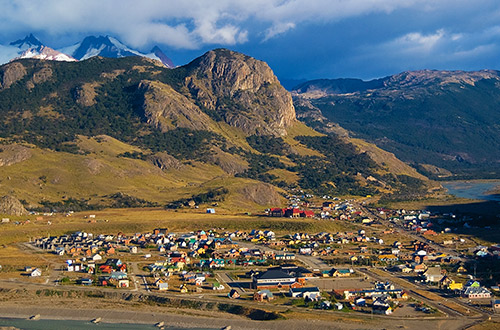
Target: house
{"type": "Point", "coordinates": [307, 214]}
{"type": "Point", "coordinates": [263, 295]}
{"type": "Point", "coordinates": [86, 281]}
{"type": "Point", "coordinates": [340, 272]}
{"type": "Point", "coordinates": [311, 293]}
{"type": "Point", "coordinates": [473, 292]}
{"type": "Point", "coordinates": [384, 310]}
{"type": "Point", "coordinates": [292, 213]}
{"type": "Point", "coordinates": [36, 272]}
{"type": "Point", "coordinates": [118, 275]}
{"type": "Point", "coordinates": [388, 257]}
{"type": "Point", "coordinates": [106, 269]}
{"type": "Point", "coordinates": [97, 257]}
{"type": "Point", "coordinates": [380, 306]}
{"type": "Point", "coordinates": [284, 256]}
{"type": "Point", "coordinates": [455, 286]}
{"type": "Point", "coordinates": [233, 294]}
{"type": "Point", "coordinates": [360, 302]}
{"type": "Point", "coordinates": [473, 284]}
{"type": "Point", "coordinates": [161, 285]}
{"type": "Point", "coordinates": [420, 268]}
{"type": "Point", "coordinates": [433, 274]}
{"type": "Point", "coordinates": [327, 206]}
{"type": "Point", "coordinates": [276, 212]}
{"type": "Point", "coordinates": [74, 267]}
{"type": "Point", "coordinates": [403, 268]}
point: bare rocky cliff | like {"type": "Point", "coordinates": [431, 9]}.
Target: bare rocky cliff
{"type": "Point", "coordinates": [242, 91]}
{"type": "Point", "coordinates": [10, 74]}
{"type": "Point", "coordinates": [11, 206]}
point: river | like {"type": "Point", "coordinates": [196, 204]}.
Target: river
{"type": "Point", "coordinates": [473, 189]}
{"type": "Point", "coordinates": [76, 325]}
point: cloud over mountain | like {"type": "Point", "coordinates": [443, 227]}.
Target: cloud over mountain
{"type": "Point", "coordinates": [336, 37]}
{"type": "Point", "coordinates": [183, 24]}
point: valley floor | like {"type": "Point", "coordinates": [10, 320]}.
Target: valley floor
{"type": "Point", "coordinates": [22, 296]}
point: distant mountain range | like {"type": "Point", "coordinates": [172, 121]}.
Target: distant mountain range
{"type": "Point", "coordinates": [441, 122]}
{"type": "Point", "coordinates": [105, 46]}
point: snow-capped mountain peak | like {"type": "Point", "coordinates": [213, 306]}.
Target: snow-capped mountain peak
{"type": "Point", "coordinates": [107, 46]}
{"type": "Point", "coordinates": [45, 53]}
{"type": "Point", "coordinates": [160, 55]}
{"type": "Point", "coordinates": [104, 46]}
{"type": "Point", "coordinates": [28, 42]}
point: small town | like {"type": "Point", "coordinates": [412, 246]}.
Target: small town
{"type": "Point", "coordinates": [392, 263]}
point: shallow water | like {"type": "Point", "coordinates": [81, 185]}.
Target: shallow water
{"type": "Point", "coordinates": [473, 189]}
{"type": "Point", "coordinates": [77, 325]}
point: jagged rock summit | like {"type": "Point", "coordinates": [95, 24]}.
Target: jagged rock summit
{"type": "Point", "coordinates": [241, 90]}
{"type": "Point", "coordinates": [28, 42]}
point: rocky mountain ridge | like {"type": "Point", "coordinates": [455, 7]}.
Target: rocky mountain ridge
{"type": "Point", "coordinates": [430, 118]}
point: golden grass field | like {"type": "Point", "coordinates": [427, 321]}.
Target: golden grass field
{"type": "Point", "coordinates": [129, 221]}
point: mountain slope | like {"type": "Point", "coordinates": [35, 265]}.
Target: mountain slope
{"type": "Point", "coordinates": [447, 119]}
{"type": "Point", "coordinates": [131, 127]}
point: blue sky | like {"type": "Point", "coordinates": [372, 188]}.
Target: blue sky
{"type": "Point", "coordinates": [300, 39]}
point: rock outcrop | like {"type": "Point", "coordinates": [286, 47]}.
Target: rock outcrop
{"type": "Point", "coordinates": [11, 206]}
{"type": "Point", "coordinates": [85, 94]}
{"type": "Point", "coordinates": [12, 154]}
{"type": "Point", "coordinates": [10, 74]}
{"type": "Point", "coordinates": [242, 91]}
{"type": "Point", "coordinates": [164, 161]}
{"type": "Point", "coordinates": [167, 109]}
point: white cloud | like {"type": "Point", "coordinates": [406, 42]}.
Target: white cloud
{"type": "Point", "coordinates": [278, 29]}
{"type": "Point", "coordinates": [417, 42]}
{"type": "Point", "coordinates": [194, 24]}
{"type": "Point", "coordinates": [182, 24]}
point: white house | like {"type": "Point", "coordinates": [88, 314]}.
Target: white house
{"type": "Point", "coordinates": [307, 293]}
{"type": "Point", "coordinates": [36, 272]}
{"type": "Point", "coordinates": [96, 257]}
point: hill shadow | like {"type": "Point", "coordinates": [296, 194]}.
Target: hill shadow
{"type": "Point", "coordinates": [484, 215]}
